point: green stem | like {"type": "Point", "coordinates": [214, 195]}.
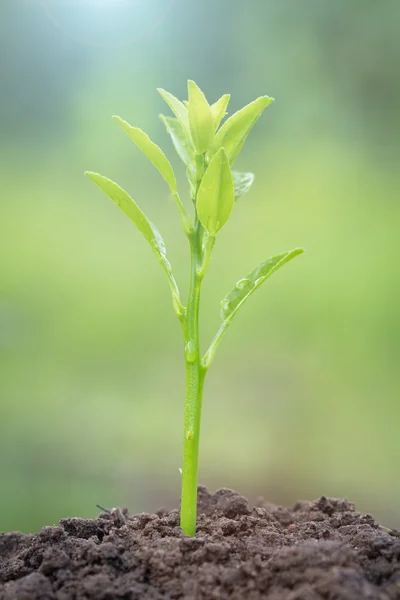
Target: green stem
{"type": "Point", "coordinates": [194, 388]}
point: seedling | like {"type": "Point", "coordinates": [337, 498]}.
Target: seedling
{"type": "Point", "coordinates": [208, 151]}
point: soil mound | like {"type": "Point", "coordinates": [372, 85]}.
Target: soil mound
{"type": "Point", "coordinates": [321, 550]}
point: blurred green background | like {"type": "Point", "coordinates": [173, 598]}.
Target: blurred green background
{"type": "Point", "coordinates": [303, 398]}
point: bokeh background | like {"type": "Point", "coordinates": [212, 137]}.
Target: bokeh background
{"type": "Point", "coordinates": [303, 397]}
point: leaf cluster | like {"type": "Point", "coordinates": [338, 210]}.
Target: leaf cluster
{"type": "Point", "coordinates": [208, 145]}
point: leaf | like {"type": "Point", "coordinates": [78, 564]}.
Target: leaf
{"type": "Point", "coordinates": [218, 110]}
{"type": "Point", "coordinates": [200, 118]}
{"type": "Point", "coordinates": [128, 206]}
{"type": "Point", "coordinates": [242, 182]}
{"type": "Point", "coordinates": [181, 143]}
{"type": "Point", "coordinates": [235, 130]}
{"type": "Point", "coordinates": [215, 197]}
{"type": "Point", "coordinates": [178, 108]}
{"type": "Point", "coordinates": [245, 287]}
{"type": "Point", "coordinates": [152, 151]}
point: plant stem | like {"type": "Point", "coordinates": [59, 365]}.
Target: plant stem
{"type": "Point", "coordinates": [195, 374]}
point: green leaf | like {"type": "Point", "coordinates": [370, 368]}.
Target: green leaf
{"type": "Point", "coordinates": [218, 110]}
{"type": "Point", "coordinates": [122, 199]}
{"type": "Point", "coordinates": [178, 108]}
{"type": "Point", "coordinates": [152, 151]}
{"type": "Point", "coordinates": [128, 206]}
{"type": "Point", "coordinates": [242, 182]}
{"type": "Point", "coordinates": [215, 197]}
{"type": "Point", "coordinates": [200, 118]}
{"type": "Point", "coordinates": [245, 287]}
{"type": "Point", "coordinates": [181, 143]}
{"type": "Point", "coordinates": [235, 130]}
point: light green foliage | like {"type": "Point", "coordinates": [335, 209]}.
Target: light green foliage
{"type": "Point", "coordinates": [152, 151]}
{"type": "Point", "coordinates": [242, 291]}
{"type": "Point", "coordinates": [177, 107]}
{"type": "Point", "coordinates": [215, 197]}
{"type": "Point", "coordinates": [218, 109]}
{"type": "Point", "coordinates": [242, 183]}
{"type": "Point", "coordinates": [201, 120]}
{"type": "Point", "coordinates": [208, 153]}
{"type": "Point", "coordinates": [183, 146]}
{"type": "Point", "coordinates": [128, 206]}
{"type": "Point", "coordinates": [246, 286]}
{"type": "Point", "coordinates": [235, 130]}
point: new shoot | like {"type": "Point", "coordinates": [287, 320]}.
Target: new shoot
{"type": "Point", "coordinates": [208, 151]}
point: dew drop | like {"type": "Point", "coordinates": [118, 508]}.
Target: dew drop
{"type": "Point", "coordinates": [242, 283]}
{"type": "Point", "coordinates": [224, 304]}
{"type": "Point", "coordinates": [224, 307]}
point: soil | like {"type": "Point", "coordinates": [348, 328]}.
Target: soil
{"type": "Point", "coordinates": [321, 550]}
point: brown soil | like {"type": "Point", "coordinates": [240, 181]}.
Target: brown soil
{"type": "Point", "coordinates": [318, 550]}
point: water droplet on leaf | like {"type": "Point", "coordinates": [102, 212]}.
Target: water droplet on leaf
{"type": "Point", "coordinates": [224, 308]}
{"type": "Point", "coordinates": [242, 283]}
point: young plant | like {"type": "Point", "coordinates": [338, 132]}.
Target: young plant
{"type": "Point", "coordinates": [208, 151]}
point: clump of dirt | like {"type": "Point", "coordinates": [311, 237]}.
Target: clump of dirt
{"type": "Point", "coordinates": [322, 550]}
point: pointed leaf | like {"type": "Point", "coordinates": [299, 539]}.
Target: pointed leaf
{"type": "Point", "coordinates": [242, 182]}
{"type": "Point", "coordinates": [152, 151]}
{"type": "Point", "coordinates": [128, 206]}
{"type": "Point", "coordinates": [218, 110]}
{"type": "Point", "coordinates": [215, 197]}
{"type": "Point", "coordinates": [181, 143]}
{"type": "Point", "coordinates": [235, 130]}
{"type": "Point", "coordinates": [245, 287]}
{"type": "Point", "coordinates": [200, 118]}
{"type": "Point", "coordinates": [178, 108]}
